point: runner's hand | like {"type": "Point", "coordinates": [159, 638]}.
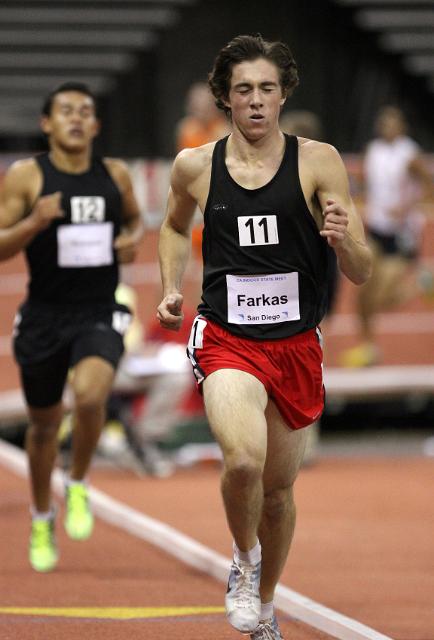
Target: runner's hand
{"type": "Point", "coordinates": [169, 312]}
{"type": "Point", "coordinates": [47, 209]}
{"type": "Point", "coordinates": [126, 246]}
{"type": "Point", "coordinates": [335, 224]}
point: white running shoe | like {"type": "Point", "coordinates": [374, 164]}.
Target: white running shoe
{"type": "Point", "coordinates": [243, 603]}
{"type": "Point", "coordinates": [267, 630]}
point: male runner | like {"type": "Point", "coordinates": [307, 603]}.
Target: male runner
{"type": "Point", "coordinates": [271, 203]}
{"type": "Point", "coordinates": [76, 218]}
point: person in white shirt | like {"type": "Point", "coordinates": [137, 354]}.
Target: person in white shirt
{"type": "Point", "coordinates": [396, 180]}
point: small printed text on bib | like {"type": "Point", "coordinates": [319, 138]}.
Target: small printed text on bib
{"type": "Point", "coordinates": [85, 245]}
{"type": "Point", "coordinates": [263, 299]}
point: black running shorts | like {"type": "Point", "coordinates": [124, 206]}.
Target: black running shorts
{"type": "Point", "coordinates": [49, 340]}
{"type": "Point", "coordinates": [393, 245]}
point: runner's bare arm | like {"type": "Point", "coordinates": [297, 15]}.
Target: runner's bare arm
{"type": "Point", "coordinates": [342, 225]}
{"type": "Point", "coordinates": [128, 241]}
{"type": "Point", "coordinates": [175, 239]}
{"type": "Point", "coordinates": [16, 229]}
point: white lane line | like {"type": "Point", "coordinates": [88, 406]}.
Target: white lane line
{"type": "Point", "coordinates": [198, 555]}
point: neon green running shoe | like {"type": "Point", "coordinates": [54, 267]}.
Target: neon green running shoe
{"type": "Point", "coordinates": [79, 518]}
{"type": "Point", "coordinates": [43, 554]}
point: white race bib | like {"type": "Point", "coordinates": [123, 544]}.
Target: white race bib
{"type": "Point", "coordinates": [257, 230]}
{"type": "Point", "coordinates": [263, 299]}
{"type": "Point", "coordinates": [85, 245]}
{"type": "Point", "coordinates": [87, 209]}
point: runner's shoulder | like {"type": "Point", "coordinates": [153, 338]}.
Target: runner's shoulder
{"type": "Point", "coordinates": [22, 176]}
{"type": "Point", "coordinates": [191, 163]}
{"type": "Point", "coordinates": [318, 151]}
{"type": "Point", "coordinates": [24, 169]}
{"type": "Point", "coordinates": [319, 157]}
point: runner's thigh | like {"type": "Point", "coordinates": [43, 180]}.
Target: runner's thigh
{"type": "Point", "coordinates": [235, 403]}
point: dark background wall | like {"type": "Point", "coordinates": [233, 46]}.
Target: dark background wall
{"type": "Point", "coordinates": [343, 76]}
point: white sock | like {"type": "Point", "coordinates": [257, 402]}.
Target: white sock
{"type": "Point", "coordinates": [69, 482]}
{"type": "Point", "coordinates": [267, 610]}
{"type": "Point", "coordinates": [253, 556]}
{"type": "Point", "coordinates": [41, 515]}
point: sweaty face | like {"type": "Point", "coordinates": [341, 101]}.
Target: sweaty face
{"type": "Point", "coordinates": [255, 97]}
{"type": "Point", "coordinates": [72, 123]}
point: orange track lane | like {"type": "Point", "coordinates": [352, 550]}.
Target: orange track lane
{"type": "Point", "coordinates": [113, 569]}
{"type": "Point", "coordinates": [363, 546]}
{"type": "Point", "coordinates": [364, 542]}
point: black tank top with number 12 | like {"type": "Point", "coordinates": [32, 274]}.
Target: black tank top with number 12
{"type": "Point", "coordinates": [72, 262]}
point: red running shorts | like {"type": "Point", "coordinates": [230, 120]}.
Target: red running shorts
{"type": "Point", "coordinates": [290, 369]}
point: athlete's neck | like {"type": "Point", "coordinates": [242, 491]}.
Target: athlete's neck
{"type": "Point", "coordinates": [70, 162]}
{"type": "Point", "coordinates": [269, 147]}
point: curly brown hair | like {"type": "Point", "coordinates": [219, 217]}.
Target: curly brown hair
{"type": "Point", "coordinates": [251, 47]}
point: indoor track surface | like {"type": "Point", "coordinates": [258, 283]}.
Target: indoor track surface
{"type": "Point", "coordinates": [363, 547]}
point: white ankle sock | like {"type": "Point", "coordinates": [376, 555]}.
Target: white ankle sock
{"type": "Point", "coordinates": [41, 515]}
{"type": "Point", "coordinates": [69, 482]}
{"type": "Point", "coordinates": [267, 610]}
{"type": "Point", "coordinates": [253, 556]}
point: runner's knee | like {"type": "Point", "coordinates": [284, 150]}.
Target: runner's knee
{"type": "Point", "coordinates": [88, 399]}
{"type": "Point", "coordinates": [44, 422]}
{"type": "Point", "coordinates": [243, 469]}
{"type": "Point", "coordinates": [277, 502]}
{"type": "Point", "coordinates": [42, 432]}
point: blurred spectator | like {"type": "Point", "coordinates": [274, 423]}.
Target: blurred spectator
{"type": "Point", "coordinates": [304, 124]}
{"type": "Point", "coordinates": [396, 179]}
{"type": "Point", "coordinates": [203, 122]}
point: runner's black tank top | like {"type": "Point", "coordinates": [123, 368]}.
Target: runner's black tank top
{"type": "Point", "coordinates": [270, 235]}
{"type": "Point", "coordinates": [73, 261]}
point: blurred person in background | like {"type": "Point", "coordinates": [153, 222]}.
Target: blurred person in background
{"type": "Point", "coordinates": [271, 204]}
{"type": "Point", "coordinates": [302, 123]}
{"type": "Point", "coordinates": [76, 218]}
{"type": "Point", "coordinates": [202, 122]}
{"type": "Point", "coordinates": [396, 180]}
